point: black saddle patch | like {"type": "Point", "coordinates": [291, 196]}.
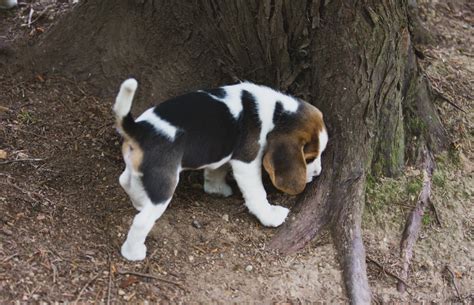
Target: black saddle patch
{"type": "Point", "coordinates": [209, 129]}
{"type": "Point", "coordinates": [250, 127]}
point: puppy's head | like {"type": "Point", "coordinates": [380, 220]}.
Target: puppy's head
{"type": "Point", "coordinates": [293, 152]}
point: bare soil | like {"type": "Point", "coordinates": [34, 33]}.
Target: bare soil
{"type": "Point", "coordinates": [64, 216]}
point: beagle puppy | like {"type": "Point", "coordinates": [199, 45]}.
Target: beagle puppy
{"type": "Point", "coordinates": [238, 127]}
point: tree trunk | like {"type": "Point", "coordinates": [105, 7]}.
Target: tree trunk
{"type": "Point", "coordinates": [352, 59]}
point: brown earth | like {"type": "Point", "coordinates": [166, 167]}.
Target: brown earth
{"type": "Point", "coordinates": [64, 216]}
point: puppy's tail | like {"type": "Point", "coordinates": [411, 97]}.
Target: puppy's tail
{"type": "Point", "coordinates": [123, 104]}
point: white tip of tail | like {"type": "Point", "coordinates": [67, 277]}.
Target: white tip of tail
{"type": "Point", "coordinates": [123, 102]}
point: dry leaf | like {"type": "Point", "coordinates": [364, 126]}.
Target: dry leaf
{"type": "Point", "coordinates": [128, 281]}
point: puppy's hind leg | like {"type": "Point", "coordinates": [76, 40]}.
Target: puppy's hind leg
{"type": "Point", "coordinates": [158, 186]}
{"type": "Point", "coordinates": [134, 248]}
{"type": "Point", "coordinates": [132, 185]}
{"type": "Point", "coordinates": [214, 181]}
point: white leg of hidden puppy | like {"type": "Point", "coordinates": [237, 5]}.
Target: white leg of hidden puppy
{"type": "Point", "coordinates": [214, 181]}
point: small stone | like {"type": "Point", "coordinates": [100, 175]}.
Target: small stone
{"type": "Point", "coordinates": [191, 258]}
{"type": "Point", "coordinates": [196, 224]}
{"type": "Point", "coordinates": [225, 217]}
{"type": "Point", "coordinates": [7, 232]}
{"type": "Point", "coordinates": [175, 252]}
{"type": "Point", "coordinates": [249, 268]}
{"type": "Point", "coordinates": [121, 292]}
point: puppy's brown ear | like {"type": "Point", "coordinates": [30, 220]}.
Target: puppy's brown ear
{"type": "Point", "coordinates": [284, 162]}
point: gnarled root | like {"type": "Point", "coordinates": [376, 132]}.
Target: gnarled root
{"type": "Point", "coordinates": [413, 223]}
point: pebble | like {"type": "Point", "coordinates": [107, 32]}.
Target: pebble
{"type": "Point", "coordinates": [121, 292]}
{"type": "Point", "coordinates": [225, 217]}
{"type": "Point", "coordinates": [7, 232]}
{"type": "Point", "coordinates": [196, 224]}
{"type": "Point", "coordinates": [191, 258]}
{"type": "Point", "coordinates": [249, 268]}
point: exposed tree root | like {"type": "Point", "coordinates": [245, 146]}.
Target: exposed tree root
{"type": "Point", "coordinates": [347, 236]}
{"type": "Point", "coordinates": [296, 232]}
{"type": "Point", "coordinates": [340, 209]}
{"type": "Point", "coordinates": [413, 224]}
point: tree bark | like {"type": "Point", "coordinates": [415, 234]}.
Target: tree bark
{"type": "Point", "coordinates": [352, 59]}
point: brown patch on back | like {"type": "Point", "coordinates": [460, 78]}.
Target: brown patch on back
{"type": "Point", "coordinates": [134, 152]}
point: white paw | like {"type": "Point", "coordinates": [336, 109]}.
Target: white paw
{"type": "Point", "coordinates": [222, 189]}
{"type": "Point", "coordinates": [133, 252]}
{"type": "Point", "coordinates": [275, 216]}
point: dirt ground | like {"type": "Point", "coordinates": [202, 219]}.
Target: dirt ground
{"type": "Point", "coordinates": [64, 216]}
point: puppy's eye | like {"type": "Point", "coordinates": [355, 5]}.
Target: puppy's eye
{"type": "Point", "coordinates": [309, 160]}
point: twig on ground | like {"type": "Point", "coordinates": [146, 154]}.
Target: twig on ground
{"type": "Point", "coordinates": [22, 160]}
{"type": "Point", "coordinates": [413, 224]}
{"type": "Point", "coordinates": [55, 272]}
{"type": "Point", "coordinates": [6, 259]}
{"type": "Point", "coordinates": [30, 15]}
{"type": "Point", "coordinates": [384, 270]}
{"type": "Point", "coordinates": [453, 277]}
{"type": "Point", "coordinates": [109, 289]}
{"type": "Point", "coordinates": [435, 211]}
{"type": "Point", "coordinates": [27, 193]}
{"type": "Point", "coordinates": [441, 95]}
{"type": "Point", "coordinates": [85, 286]}
{"type": "Point", "coordinates": [447, 100]}
{"type": "Point", "coordinates": [146, 268]}
{"type": "Point", "coordinates": [32, 133]}
{"type": "Point", "coordinates": [151, 276]}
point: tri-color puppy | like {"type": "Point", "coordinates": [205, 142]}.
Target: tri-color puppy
{"type": "Point", "coordinates": [240, 127]}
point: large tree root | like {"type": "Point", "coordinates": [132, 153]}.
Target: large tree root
{"type": "Point", "coordinates": [413, 224]}
{"type": "Point", "coordinates": [340, 208]}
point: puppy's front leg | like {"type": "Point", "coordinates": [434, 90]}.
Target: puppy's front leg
{"type": "Point", "coordinates": [134, 248]}
{"type": "Point", "coordinates": [249, 180]}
